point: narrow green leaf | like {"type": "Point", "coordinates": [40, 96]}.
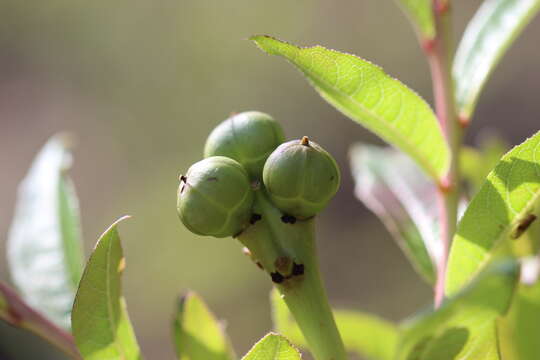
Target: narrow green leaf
{"type": "Point", "coordinates": [363, 334]}
{"type": "Point", "coordinates": [363, 92]}
{"type": "Point", "coordinates": [273, 347]}
{"type": "Point", "coordinates": [197, 333]}
{"type": "Point", "coordinates": [494, 27]}
{"type": "Point", "coordinates": [420, 12]}
{"type": "Point", "coordinates": [406, 204]}
{"type": "Point", "coordinates": [502, 210]}
{"type": "Point", "coordinates": [517, 331]}
{"type": "Point", "coordinates": [16, 312]}
{"type": "Point", "coordinates": [44, 246]}
{"type": "Point", "coordinates": [464, 326]}
{"type": "Point", "coordinates": [100, 321]}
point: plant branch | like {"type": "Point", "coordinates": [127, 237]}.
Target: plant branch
{"type": "Point", "coordinates": [439, 52]}
{"type": "Point", "coordinates": [17, 313]}
{"type": "Point", "coordinates": [285, 248]}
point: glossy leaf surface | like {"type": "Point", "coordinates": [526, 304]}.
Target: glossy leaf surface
{"type": "Point", "coordinates": [197, 333]}
{"type": "Point", "coordinates": [494, 27]}
{"type": "Point", "coordinates": [366, 94]}
{"type": "Point", "coordinates": [44, 245]}
{"type": "Point", "coordinates": [503, 209]}
{"type": "Point", "coordinates": [101, 324]}
{"type": "Point", "coordinates": [395, 189]}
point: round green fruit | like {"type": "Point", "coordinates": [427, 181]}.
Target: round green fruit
{"type": "Point", "coordinates": [215, 197]}
{"type": "Point", "coordinates": [248, 137]}
{"type": "Point", "coordinates": [301, 178]}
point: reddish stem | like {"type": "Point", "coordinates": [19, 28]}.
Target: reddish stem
{"type": "Point", "coordinates": [20, 314]}
{"type": "Point", "coordinates": [439, 51]}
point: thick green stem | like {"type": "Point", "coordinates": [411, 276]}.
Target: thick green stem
{"type": "Point", "coordinates": [286, 250]}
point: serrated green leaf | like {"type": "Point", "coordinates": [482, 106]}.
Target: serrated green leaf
{"type": "Point", "coordinates": [273, 347]}
{"type": "Point", "coordinates": [197, 333]}
{"type": "Point", "coordinates": [406, 204]}
{"type": "Point", "coordinates": [363, 334]}
{"type": "Point", "coordinates": [44, 246]}
{"type": "Point", "coordinates": [100, 321]}
{"type": "Point", "coordinates": [464, 326]}
{"type": "Point", "coordinates": [420, 12]}
{"type": "Point", "coordinates": [506, 202]}
{"type": "Point", "coordinates": [494, 27]}
{"type": "Point", "coordinates": [363, 92]}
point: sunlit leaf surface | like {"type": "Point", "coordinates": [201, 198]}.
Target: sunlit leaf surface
{"type": "Point", "coordinates": [366, 94]}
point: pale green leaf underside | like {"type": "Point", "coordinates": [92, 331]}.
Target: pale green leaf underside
{"type": "Point", "coordinates": [363, 92]}
{"type": "Point", "coordinates": [464, 327]}
{"type": "Point", "coordinates": [406, 204]}
{"type": "Point", "coordinates": [44, 246]}
{"type": "Point", "coordinates": [420, 12]}
{"type": "Point", "coordinates": [509, 196]}
{"type": "Point", "coordinates": [494, 27]}
{"type": "Point", "coordinates": [272, 347]}
{"type": "Point", "coordinates": [363, 334]}
{"type": "Point", "coordinates": [101, 325]}
{"type": "Point", "coordinates": [197, 333]}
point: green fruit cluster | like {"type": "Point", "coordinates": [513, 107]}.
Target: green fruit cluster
{"type": "Point", "coordinates": [244, 154]}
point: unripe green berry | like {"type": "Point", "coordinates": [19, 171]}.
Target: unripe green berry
{"type": "Point", "coordinates": [301, 178]}
{"type": "Point", "coordinates": [248, 137]}
{"type": "Point", "coordinates": [215, 197]}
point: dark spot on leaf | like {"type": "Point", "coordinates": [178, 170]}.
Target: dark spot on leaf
{"type": "Point", "coordinates": [254, 218]}
{"type": "Point", "coordinates": [523, 226]}
{"type": "Point", "coordinates": [298, 269]}
{"type": "Point", "coordinates": [288, 219]}
{"type": "Point", "coordinates": [332, 178]}
{"type": "Point", "coordinates": [277, 277]}
{"type": "Point", "coordinates": [213, 178]}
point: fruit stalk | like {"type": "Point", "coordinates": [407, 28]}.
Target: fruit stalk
{"type": "Point", "coordinates": [285, 248]}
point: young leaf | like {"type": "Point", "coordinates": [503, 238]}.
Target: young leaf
{"type": "Point", "coordinates": [406, 203]}
{"type": "Point", "coordinates": [503, 209]}
{"type": "Point", "coordinates": [518, 328]}
{"type": "Point", "coordinates": [494, 27]}
{"type": "Point", "coordinates": [197, 333]}
{"type": "Point", "coordinates": [17, 313]}
{"type": "Point", "coordinates": [363, 92]}
{"type": "Point", "coordinates": [420, 12]}
{"type": "Point", "coordinates": [44, 246]}
{"type": "Point", "coordinates": [273, 347]}
{"type": "Point", "coordinates": [363, 334]}
{"type": "Point", "coordinates": [100, 321]}
{"type": "Point", "coordinates": [464, 326]}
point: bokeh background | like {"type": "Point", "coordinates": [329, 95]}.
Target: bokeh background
{"type": "Point", "coordinates": [142, 82]}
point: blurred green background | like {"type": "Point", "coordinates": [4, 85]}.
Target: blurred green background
{"type": "Point", "coordinates": [141, 83]}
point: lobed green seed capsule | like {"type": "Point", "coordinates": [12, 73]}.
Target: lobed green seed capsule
{"type": "Point", "coordinates": [215, 197]}
{"type": "Point", "coordinates": [248, 137]}
{"type": "Point", "coordinates": [301, 178]}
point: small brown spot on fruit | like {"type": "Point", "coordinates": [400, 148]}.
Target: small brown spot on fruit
{"type": "Point", "coordinates": [304, 141]}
